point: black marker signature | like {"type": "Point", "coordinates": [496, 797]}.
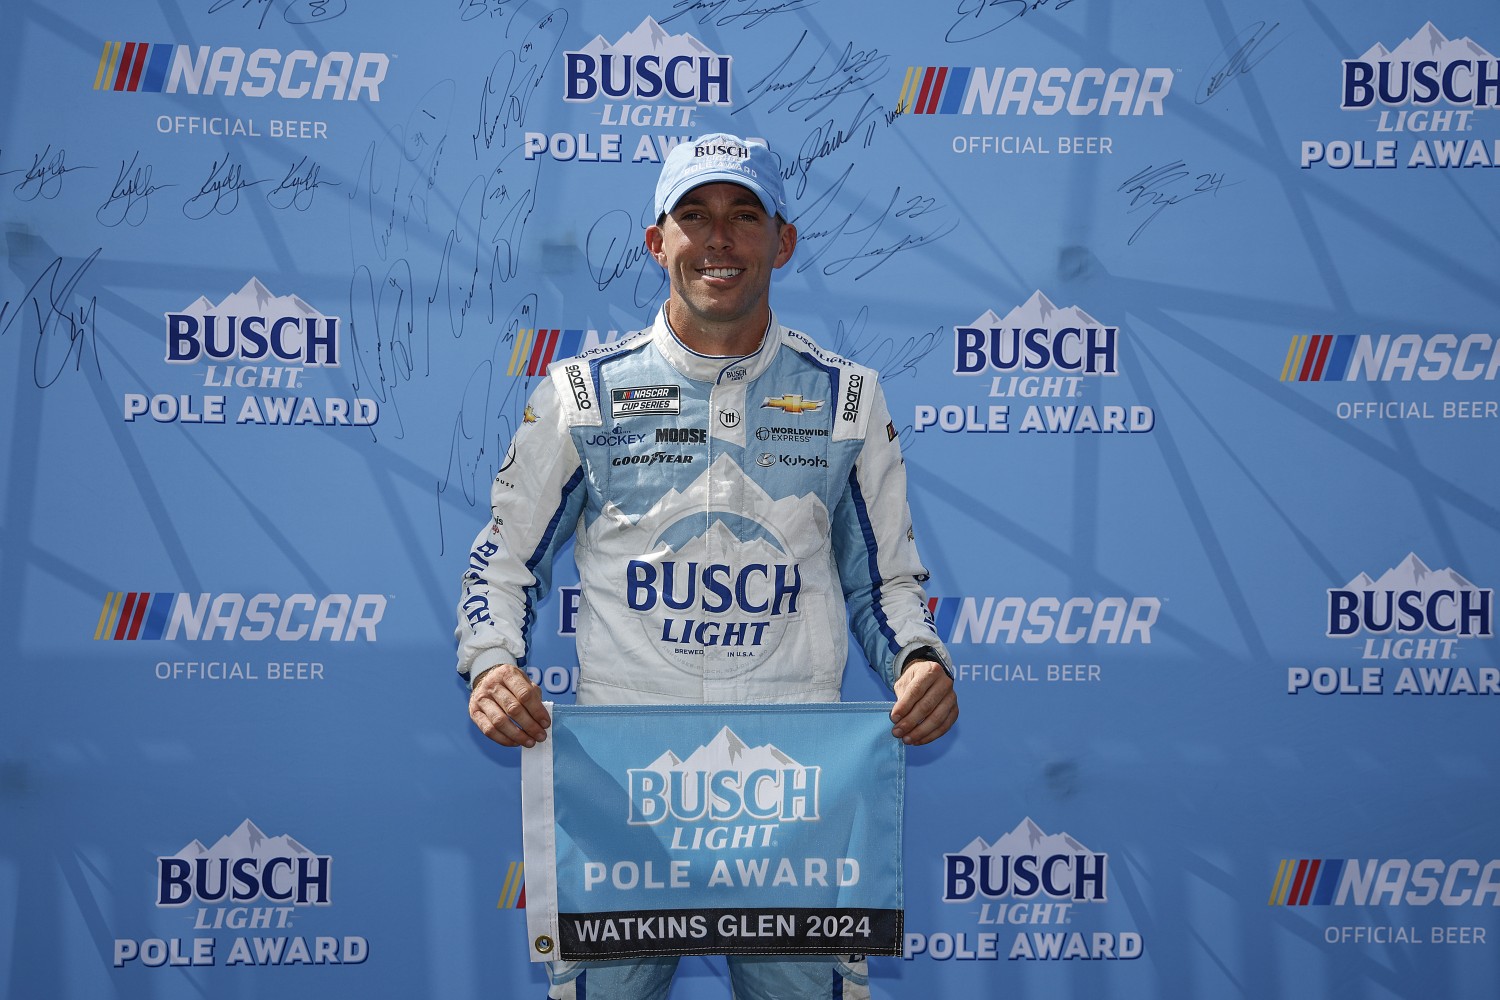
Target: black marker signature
{"type": "Point", "coordinates": [386, 348]}
{"type": "Point", "coordinates": [297, 188]}
{"type": "Point", "coordinates": [1158, 188]}
{"type": "Point", "coordinates": [820, 84]}
{"type": "Point", "coordinates": [395, 183]}
{"type": "Point", "coordinates": [44, 178]}
{"type": "Point", "coordinates": [892, 357]}
{"type": "Point", "coordinates": [63, 331]}
{"type": "Point", "coordinates": [489, 412]}
{"type": "Point", "coordinates": [220, 193]}
{"type": "Point", "coordinates": [128, 196]}
{"type": "Point", "coordinates": [614, 247]}
{"type": "Point", "coordinates": [751, 12]}
{"type": "Point", "coordinates": [827, 139]}
{"type": "Point", "coordinates": [843, 232]}
{"type": "Point", "coordinates": [313, 11]}
{"type": "Point", "coordinates": [978, 18]}
{"type": "Point", "coordinates": [484, 246]}
{"type": "Point", "coordinates": [1239, 57]}
{"type": "Point", "coordinates": [468, 10]}
{"type": "Point", "coordinates": [513, 81]}
{"type": "Point", "coordinates": [297, 11]}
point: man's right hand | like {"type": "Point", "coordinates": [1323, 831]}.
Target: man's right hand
{"type": "Point", "coordinates": [508, 708]}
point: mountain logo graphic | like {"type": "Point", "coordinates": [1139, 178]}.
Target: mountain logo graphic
{"type": "Point", "coordinates": [1410, 598]}
{"type": "Point", "coordinates": [648, 64]}
{"type": "Point", "coordinates": [1426, 69]}
{"type": "Point", "coordinates": [1026, 863]}
{"type": "Point", "coordinates": [242, 866]}
{"type": "Point", "coordinates": [1033, 337]}
{"type": "Point", "coordinates": [722, 781]}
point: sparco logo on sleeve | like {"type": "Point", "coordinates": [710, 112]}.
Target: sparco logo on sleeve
{"type": "Point", "coordinates": [853, 389]}
{"type": "Point", "coordinates": [580, 388]}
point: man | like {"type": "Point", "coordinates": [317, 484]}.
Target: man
{"type": "Point", "coordinates": [731, 489]}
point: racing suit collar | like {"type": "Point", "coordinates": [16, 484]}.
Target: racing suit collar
{"type": "Point", "coordinates": [714, 368]}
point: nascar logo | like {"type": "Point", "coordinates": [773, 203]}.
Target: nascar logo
{"type": "Point", "coordinates": [140, 615]}
{"type": "Point", "coordinates": [1390, 882]}
{"type": "Point", "coordinates": [1391, 358]}
{"type": "Point", "coordinates": [1109, 620]}
{"type": "Point", "coordinates": [148, 67]}
{"type": "Point", "coordinates": [967, 90]}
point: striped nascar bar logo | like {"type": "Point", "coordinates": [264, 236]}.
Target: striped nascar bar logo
{"type": "Point", "coordinates": [1322, 357]}
{"type": "Point", "coordinates": [513, 893]}
{"type": "Point", "coordinates": [134, 66]}
{"type": "Point", "coordinates": [536, 349]}
{"type": "Point", "coordinates": [923, 92]}
{"type": "Point", "coordinates": [1307, 882]}
{"type": "Point", "coordinates": [139, 615]}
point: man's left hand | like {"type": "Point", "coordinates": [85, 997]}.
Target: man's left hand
{"type": "Point", "coordinates": [926, 704]}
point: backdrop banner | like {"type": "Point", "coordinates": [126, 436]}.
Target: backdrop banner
{"type": "Point", "coordinates": [714, 829]}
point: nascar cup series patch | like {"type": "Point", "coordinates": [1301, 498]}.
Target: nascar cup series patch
{"type": "Point", "coordinates": [714, 829]}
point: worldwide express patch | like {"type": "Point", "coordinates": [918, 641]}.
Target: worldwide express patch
{"type": "Point", "coordinates": [645, 399]}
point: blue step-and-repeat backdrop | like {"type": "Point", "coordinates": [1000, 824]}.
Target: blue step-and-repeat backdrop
{"type": "Point", "coordinates": [1186, 313]}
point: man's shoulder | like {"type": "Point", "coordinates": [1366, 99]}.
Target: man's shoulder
{"type": "Point", "coordinates": [854, 385]}
{"type": "Point", "coordinates": [576, 379]}
{"type": "Point", "coordinates": [625, 344]}
{"type": "Point", "coordinates": [809, 349]}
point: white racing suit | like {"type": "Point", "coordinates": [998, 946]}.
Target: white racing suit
{"type": "Point", "coordinates": [729, 515]}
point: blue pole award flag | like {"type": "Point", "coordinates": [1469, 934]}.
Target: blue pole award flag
{"type": "Point", "coordinates": [714, 829]}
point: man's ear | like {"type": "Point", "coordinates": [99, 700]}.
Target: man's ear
{"type": "Point", "coordinates": [655, 244]}
{"type": "Point", "coordinates": [788, 243]}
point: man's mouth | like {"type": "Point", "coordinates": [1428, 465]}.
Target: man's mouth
{"type": "Point", "coordinates": [720, 272]}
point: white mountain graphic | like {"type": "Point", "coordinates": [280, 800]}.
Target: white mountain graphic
{"type": "Point", "coordinates": [1037, 311]}
{"type": "Point", "coordinates": [664, 533]}
{"type": "Point", "coordinates": [1025, 839]}
{"type": "Point", "coordinates": [725, 752]}
{"type": "Point", "coordinates": [1412, 575]}
{"type": "Point", "coordinates": [649, 38]}
{"type": "Point", "coordinates": [247, 841]}
{"type": "Point", "coordinates": [255, 299]}
{"type": "Point", "coordinates": [1427, 43]}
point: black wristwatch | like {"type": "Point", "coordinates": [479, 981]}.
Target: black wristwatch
{"type": "Point", "coordinates": [922, 653]}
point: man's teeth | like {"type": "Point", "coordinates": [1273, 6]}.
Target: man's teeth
{"type": "Point", "coordinates": [722, 272]}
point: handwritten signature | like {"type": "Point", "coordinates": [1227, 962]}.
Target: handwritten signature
{"type": "Point", "coordinates": [128, 195]}
{"type": "Point", "coordinates": [296, 12]}
{"type": "Point", "coordinates": [813, 89]}
{"type": "Point", "coordinates": [977, 18]}
{"type": "Point", "coordinates": [828, 138]}
{"type": "Point", "coordinates": [843, 232]}
{"type": "Point", "coordinates": [484, 246]}
{"type": "Point", "coordinates": [514, 79]}
{"type": "Point", "coordinates": [1244, 52]}
{"type": "Point", "coordinates": [468, 10]}
{"type": "Point", "coordinates": [892, 357]}
{"type": "Point", "coordinates": [489, 411]}
{"type": "Point", "coordinates": [1155, 189]}
{"type": "Point", "coordinates": [220, 193]}
{"type": "Point", "coordinates": [297, 188]}
{"type": "Point", "coordinates": [63, 331]}
{"type": "Point", "coordinates": [614, 248]}
{"type": "Point", "coordinates": [744, 13]}
{"type": "Point", "coordinates": [44, 178]}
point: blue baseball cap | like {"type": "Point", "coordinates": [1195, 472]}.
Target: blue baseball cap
{"type": "Point", "coordinates": [721, 157]}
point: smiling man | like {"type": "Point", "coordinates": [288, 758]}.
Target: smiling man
{"type": "Point", "coordinates": [737, 499]}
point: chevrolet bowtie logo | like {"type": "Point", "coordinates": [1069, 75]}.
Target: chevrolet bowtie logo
{"type": "Point", "coordinates": [791, 403]}
{"type": "Point", "coordinates": [528, 416]}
